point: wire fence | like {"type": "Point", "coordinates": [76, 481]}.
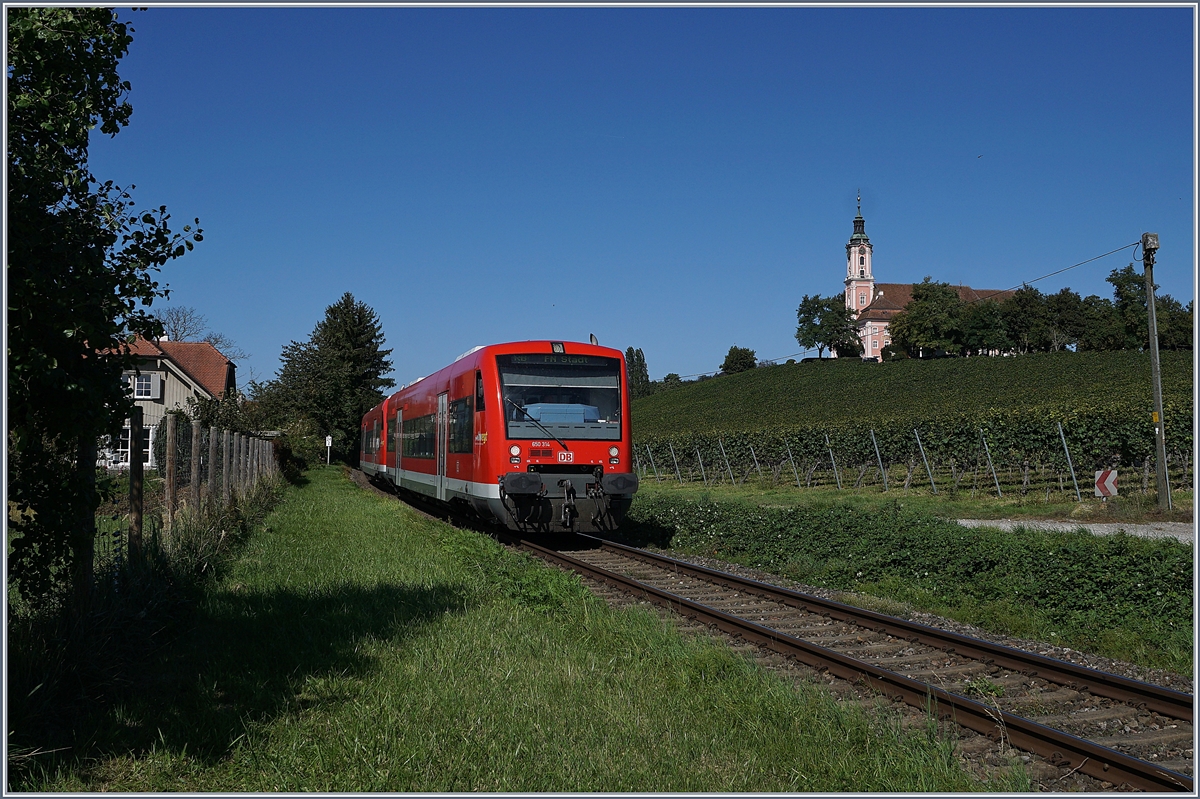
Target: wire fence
{"type": "Point", "coordinates": [738, 458]}
{"type": "Point", "coordinates": [201, 471]}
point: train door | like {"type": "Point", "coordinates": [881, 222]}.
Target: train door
{"type": "Point", "coordinates": [394, 444]}
{"type": "Point", "coordinates": [442, 431]}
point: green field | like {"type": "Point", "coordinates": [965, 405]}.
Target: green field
{"type": "Point", "coordinates": [848, 390]}
{"type": "Point", "coordinates": [357, 646]}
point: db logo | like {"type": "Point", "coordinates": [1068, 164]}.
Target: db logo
{"type": "Point", "coordinates": [566, 457]}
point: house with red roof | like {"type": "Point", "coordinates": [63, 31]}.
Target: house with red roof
{"type": "Point", "coordinates": [167, 375]}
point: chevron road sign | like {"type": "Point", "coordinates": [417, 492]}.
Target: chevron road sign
{"type": "Point", "coordinates": [1106, 483]}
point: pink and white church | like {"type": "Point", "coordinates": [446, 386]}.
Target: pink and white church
{"type": "Point", "coordinates": [874, 304]}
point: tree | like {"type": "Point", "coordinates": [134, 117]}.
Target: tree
{"type": "Point", "coordinates": [671, 380]}
{"type": "Point", "coordinates": [1103, 329]}
{"type": "Point", "coordinates": [1067, 319]}
{"type": "Point", "coordinates": [639, 375]}
{"type": "Point", "coordinates": [931, 321]}
{"type": "Point", "coordinates": [1129, 301]}
{"type": "Point", "coordinates": [738, 359]}
{"type": "Point", "coordinates": [983, 329]}
{"type": "Point", "coordinates": [1174, 323]}
{"type": "Point", "coordinates": [1027, 320]}
{"type": "Point", "coordinates": [185, 323]}
{"type": "Point", "coordinates": [81, 275]}
{"type": "Point", "coordinates": [334, 377]}
{"type": "Point", "coordinates": [826, 322]}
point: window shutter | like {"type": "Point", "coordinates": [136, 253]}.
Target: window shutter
{"type": "Point", "coordinates": [155, 387]}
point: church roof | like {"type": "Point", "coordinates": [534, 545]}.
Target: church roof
{"type": "Point", "coordinates": [891, 298]}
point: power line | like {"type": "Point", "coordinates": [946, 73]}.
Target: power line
{"type": "Point", "coordinates": [1059, 272]}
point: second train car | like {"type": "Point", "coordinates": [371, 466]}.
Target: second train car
{"type": "Point", "coordinates": [534, 435]}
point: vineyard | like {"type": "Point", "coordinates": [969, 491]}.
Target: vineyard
{"type": "Point", "coordinates": [984, 424]}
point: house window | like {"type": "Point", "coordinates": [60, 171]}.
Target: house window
{"type": "Point", "coordinates": [123, 446]}
{"type": "Point", "coordinates": [143, 387]}
{"type": "Point", "coordinates": [875, 344]}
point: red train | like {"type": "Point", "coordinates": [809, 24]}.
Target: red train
{"type": "Point", "coordinates": [534, 435]}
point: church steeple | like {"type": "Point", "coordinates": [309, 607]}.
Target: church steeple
{"type": "Point", "coordinates": [860, 281]}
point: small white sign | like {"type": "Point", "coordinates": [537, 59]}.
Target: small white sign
{"type": "Point", "coordinates": [329, 441]}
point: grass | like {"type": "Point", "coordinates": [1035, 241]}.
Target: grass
{"type": "Point", "coordinates": [357, 646]}
{"type": "Point", "coordinates": [1131, 508]}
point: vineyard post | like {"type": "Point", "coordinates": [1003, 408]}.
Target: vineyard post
{"type": "Point", "coordinates": [795, 473]}
{"type": "Point", "coordinates": [721, 443]}
{"type": "Point", "coordinates": [752, 455]}
{"type": "Point", "coordinates": [637, 462]}
{"type": "Point", "coordinates": [651, 455]}
{"type": "Point", "coordinates": [1070, 466]}
{"type": "Point", "coordinates": [928, 471]}
{"type": "Point", "coordinates": [700, 460]}
{"type": "Point", "coordinates": [879, 458]}
{"type": "Point", "coordinates": [676, 462]}
{"type": "Point", "coordinates": [1162, 482]}
{"type": "Point", "coordinates": [988, 450]}
{"type": "Point", "coordinates": [169, 471]}
{"type": "Point", "coordinates": [836, 475]}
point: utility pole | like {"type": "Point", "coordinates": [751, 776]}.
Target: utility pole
{"type": "Point", "coordinates": [1149, 248]}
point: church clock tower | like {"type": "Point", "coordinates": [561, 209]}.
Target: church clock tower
{"type": "Point", "coordinates": [860, 282]}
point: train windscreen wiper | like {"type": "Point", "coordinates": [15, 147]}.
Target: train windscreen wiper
{"type": "Point", "coordinates": [539, 424]}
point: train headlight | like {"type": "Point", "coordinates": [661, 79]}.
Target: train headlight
{"type": "Point", "coordinates": [612, 452]}
{"type": "Point", "coordinates": [514, 450]}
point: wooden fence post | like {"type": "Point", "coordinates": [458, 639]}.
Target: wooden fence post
{"type": "Point", "coordinates": [135, 484]}
{"type": "Point", "coordinates": [235, 468]}
{"type": "Point", "coordinates": [169, 489]}
{"type": "Point", "coordinates": [195, 465]}
{"type": "Point", "coordinates": [212, 465]}
{"type": "Point", "coordinates": [224, 468]}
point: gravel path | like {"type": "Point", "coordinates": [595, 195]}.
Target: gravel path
{"type": "Point", "coordinates": [1184, 531]}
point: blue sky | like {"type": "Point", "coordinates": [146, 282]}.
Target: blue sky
{"type": "Point", "coordinates": [673, 179]}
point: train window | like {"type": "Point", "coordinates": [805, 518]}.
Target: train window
{"type": "Point", "coordinates": [418, 437]}
{"type": "Point", "coordinates": [478, 390]}
{"type": "Point", "coordinates": [462, 424]}
{"type": "Point", "coordinates": [571, 396]}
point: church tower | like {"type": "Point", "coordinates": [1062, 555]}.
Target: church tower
{"type": "Point", "coordinates": [860, 282]}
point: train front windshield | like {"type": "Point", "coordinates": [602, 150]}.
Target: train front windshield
{"type": "Point", "coordinates": [571, 396]}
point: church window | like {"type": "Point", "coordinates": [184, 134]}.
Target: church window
{"type": "Point", "coordinates": [861, 260]}
{"type": "Point", "coordinates": [862, 273]}
{"type": "Point", "coordinates": [862, 299]}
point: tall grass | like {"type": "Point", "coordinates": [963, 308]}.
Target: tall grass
{"type": "Point", "coordinates": [64, 667]}
{"type": "Point", "coordinates": [357, 646]}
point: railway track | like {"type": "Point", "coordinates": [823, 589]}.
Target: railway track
{"type": "Point", "coordinates": [1119, 731]}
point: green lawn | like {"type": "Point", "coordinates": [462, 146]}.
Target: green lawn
{"type": "Point", "coordinates": [357, 646]}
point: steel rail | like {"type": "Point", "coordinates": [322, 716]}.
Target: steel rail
{"type": "Point", "coordinates": [1060, 748]}
{"type": "Point", "coordinates": [1165, 701]}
